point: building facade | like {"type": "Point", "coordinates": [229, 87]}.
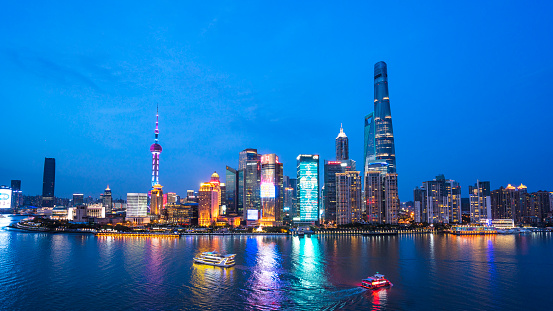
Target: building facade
{"type": "Point", "coordinates": [438, 201]}
{"type": "Point", "coordinates": [231, 194]}
{"type": "Point", "coordinates": [209, 201]}
{"type": "Point", "coordinates": [249, 181]}
{"type": "Point", "coordinates": [348, 197]}
{"type": "Point", "coordinates": [107, 200]}
{"type": "Point", "coordinates": [480, 201]}
{"type": "Point", "coordinates": [271, 190]}
{"type": "Point", "coordinates": [342, 146]}
{"type": "Point", "coordinates": [48, 182]}
{"type": "Point", "coordinates": [156, 200]}
{"type": "Point", "coordinates": [308, 187]}
{"type": "Point", "coordinates": [137, 206]}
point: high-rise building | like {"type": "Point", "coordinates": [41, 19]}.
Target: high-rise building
{"type": "Point", "coordinates": [538, 206]}
{"type": "Point", "coordinates": [381, 197]}
{"type": "Point", "coordinates": [480, 201]}
{"type": "Point", "coordinates": [156, 201]}
{"type": "Point", "coordinates": [137, 206]}
{"type": "Point", "coordinates": [107, 201]}
{"type": "Point", "coordinates": [308, 187]}
{"type": "Point", "coordinates": [331, 168]}
{"type": "Point", "coordinates": [17, 195]}
{"type": "Point", "coordinates": [379, 135]}
{"type": "Point", "coordinates": [380, 178]}
{"type": "Point", "coordinates": [155, 149]}
{"type": "Point", "coordinates": [250, 179]}
{"type": "Point", "coordinates": [48, 182]}
{"type": "Point", "coordinates": [348, 197]}
{"type": "Point", "coordinates": [210, 201]}
{"type": "Point", "coordinates": [438, 201]}
{"type": "Point", "coordinates": [342, 148]}
{"type": "Point", "coordinates": [232, 190]}
{"type": "Point", "coordinates": [509, 203]}
{"type": "Point", "coordinates": [172, 198]}
{"type": "Point", "coordinates": [271, 190]}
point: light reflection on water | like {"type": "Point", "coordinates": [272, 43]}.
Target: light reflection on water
{"type": "Point", "coordinates": [273, 272]}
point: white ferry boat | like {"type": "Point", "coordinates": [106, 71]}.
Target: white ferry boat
{"type": "Point", "coordinates": [376, 281]}
{"type": "Point", "coordinates": [215, 259]}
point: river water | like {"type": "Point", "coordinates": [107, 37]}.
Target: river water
{"type": "Point", "coordinates": [42, 271]}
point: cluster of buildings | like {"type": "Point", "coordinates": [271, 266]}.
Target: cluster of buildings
{"type": "Point", "coordinates": [257, 193]}
{"type": "Point", "coordinates": [439, 201]}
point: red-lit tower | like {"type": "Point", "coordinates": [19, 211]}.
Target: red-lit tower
{"type": "Point", "coordinates": [155, 149]}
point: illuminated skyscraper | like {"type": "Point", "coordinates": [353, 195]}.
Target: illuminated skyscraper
{"type": "Point", "coordinates": [210, 201]}
{"type": "Point", "coordinates": [17, 195]}
{"type": "Point", "coordinates": [348, 197]}
{"type": "Point", "coordinates": [308, 187]}
{"type": "Point", "coordinates": [249, 180]}
{"type": "Point", "coordinates": [155, 149]}
{"type": "Point", "coordinates": [379, 134]}
{"type": "Point", "coordinates": [156, 202]}
{"type": "Point", "coordinates": [480, 201]}
{"type": "Point", "coordinates": [48, 182]}
{"type": "Point", "coordinates": [342, 147]}
{"type": "Point", "coordinates": [438, 201]}
{"type": "Point", "coordinates": [331, 168]}
{"type": "Point", "coordinates": [381, 196]}
{"type": "Point", "coordinates": [271, 190]}
{"type": "Point", "coordinates": [107, 200]}
{"type": "Point", "coordinates": [137, 207]}
{"type": "Point", "coordinates": [232, 190]}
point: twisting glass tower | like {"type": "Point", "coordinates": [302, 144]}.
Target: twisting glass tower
{"type": "Point", "coordinates": [155, 149]}
{"type": "Point", "coordinates": [379, 134]}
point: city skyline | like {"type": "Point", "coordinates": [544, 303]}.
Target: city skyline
{"type": "Point", "coordinates": [93, 113]}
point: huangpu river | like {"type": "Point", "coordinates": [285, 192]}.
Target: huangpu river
{"type": "Point", "coordinates": [43, 271]}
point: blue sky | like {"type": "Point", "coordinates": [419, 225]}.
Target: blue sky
{"type": "Point", "coordinates": [470, 88]}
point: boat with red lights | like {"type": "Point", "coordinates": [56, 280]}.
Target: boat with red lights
{"type": "Point", "coordinates": [375, 282]}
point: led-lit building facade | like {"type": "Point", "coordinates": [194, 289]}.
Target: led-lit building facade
{"type": "Point", "coordinates": [48, 182]}
{"type": "Point", "coordinates": [308, 187]}
{"type": "Point", "coordinates": [209, 202]}
{"type": "Point", "coordinates": [155, 149]}
{"type": "Point", "coordinates": [480, 201]}
{"type": "Point", "coordinates": [271, 190]}
{"type": "Point", "coordinates": [348, 197]}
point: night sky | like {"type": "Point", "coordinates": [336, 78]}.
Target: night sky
{"type": "Point", "coordinates": [470, 89]}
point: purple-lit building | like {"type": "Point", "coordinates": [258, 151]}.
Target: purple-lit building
{"type": "Point", "coordinates": [155, 149]}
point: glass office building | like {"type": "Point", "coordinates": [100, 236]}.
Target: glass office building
{"type": "Point", "coordinates": [308, 187]}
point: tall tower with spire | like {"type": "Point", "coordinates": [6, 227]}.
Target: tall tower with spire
{"type": "Point", "coordinates": [155, 149]}
{"type": "Point", "coordinates": [342, 148]}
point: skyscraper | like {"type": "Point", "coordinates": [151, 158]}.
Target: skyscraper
{"type": "Point", "coordinates": [156, 202]}
{"type": "Point", "coordinates": [48, 182]}
{"type": "Point", "coordinates": [78, 199]}
{"type": "Point", "coordinates": [348, 197]}
{"type": "Point", "coordinates": [271, 190]}
{"type": "Point", "coordinates": [250, 180]}
{"type": "Point", "coordinates": [480, 201]}
{"type": "Point", "coordinates": [308, 187]}
{"type": "Point", "coordinates": [380, 178]}
{"type": "Point", "coordinates": [137, 207]}
{"type": "Point", "coordinates": [209, 202]}
{"type": "Point", "coordinates": [155, 149]}
{"type": "Point", "coordinates": [17, 195]}
{"type": "Point", "coordinates": [438, 201]}
{"type": "Point", "coordinates": [232, 190]}
{"type": "Point", "coordinates": [342, 148]}
{"type": "Point", "coordinates": [379, 134]}
{"type": "Point", "coordinates": [107, 200]}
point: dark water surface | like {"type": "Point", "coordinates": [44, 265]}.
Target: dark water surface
{"type": "Point", "coordinates": [41, 271]}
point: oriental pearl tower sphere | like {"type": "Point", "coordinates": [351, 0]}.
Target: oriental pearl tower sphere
{"type": "Point", "coordinates": [155, 149]}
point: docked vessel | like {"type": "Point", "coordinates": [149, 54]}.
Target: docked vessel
{"type": "Point", "coordinates": [376, 281]}
{"type": "Point", "coordinates": [215, 259]}
{"type": "Point", "coordinates": [472, 230]}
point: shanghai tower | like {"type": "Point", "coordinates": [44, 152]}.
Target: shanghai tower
{"type": "Point", "coordinates": [380, 152]}
{"type": "Point", "coordinates": [380, 177]}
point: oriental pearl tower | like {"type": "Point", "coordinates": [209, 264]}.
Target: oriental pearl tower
{"type": "Point", "coordinates": [155, 149]}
